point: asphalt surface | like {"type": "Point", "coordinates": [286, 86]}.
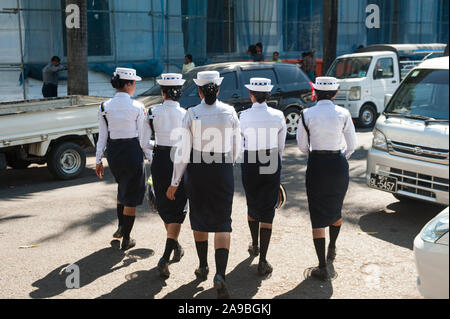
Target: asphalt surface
{"type": "Point", "coordinates": [72, 223]}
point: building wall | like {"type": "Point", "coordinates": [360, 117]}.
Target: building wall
{"type": "Point", "coordinates": [212, 30]}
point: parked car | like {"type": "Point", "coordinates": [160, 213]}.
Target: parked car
{"type": "Point", "coordinates": [54, 131]}
{"type": "Point", "coordinates": [410, 151]}
{"type": "Point", "coordinates": [431, 254]}
{"type": "Point", "coordinates": [371, 72]}
{"type": "Point", "coordinates": [292, 90]}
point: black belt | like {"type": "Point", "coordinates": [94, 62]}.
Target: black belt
{"type": "Point", "coordinates": [326, 152]}
{"type": "Point", "coordinates": [122, 140]}
{"type": "Point", "coordinates": [163, 148]}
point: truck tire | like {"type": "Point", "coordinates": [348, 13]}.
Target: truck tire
{"type": "Point", "coordinates": [367, 116]}
{"type": "Point", "coordinates": [292, 116]}
{"type": "Point", "coordinates": [66, 161]}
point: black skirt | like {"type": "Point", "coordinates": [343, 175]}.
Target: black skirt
{"type": "Point", "coordinates": [126, 159]}
{"type": "Point", "coordinates": [261, 180]}
{"type": "Point", "coordinates": [327, 179]}
{"type": "Point", "coordinates": [171, 212]}
{"type": "Point", "coordinates": [210, 189]}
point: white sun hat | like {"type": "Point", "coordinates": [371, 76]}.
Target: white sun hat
{"type": "Point", "coordinates": [127, 74]}
{"type": "Point", "coordinates": [207, 77]}
{"type": "Point", "coordinates": [260, 85]}
{"type": "Point", "coordinates": [326, 83]}
{"type": "Point", "coordinates": [171, 79]}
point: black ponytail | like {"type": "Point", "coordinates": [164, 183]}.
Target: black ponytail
{"type": "Point", "coordinates": [172, 92]}
{"type": "Point", "coordinates": [117, 83]}
{"type": "Point", "coordinates": [210, 92]}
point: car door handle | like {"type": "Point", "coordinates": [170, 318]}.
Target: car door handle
{"type": "Point", "coordinates": [394, 81]}
{"type": "Point", "coordinates": [235, 96]}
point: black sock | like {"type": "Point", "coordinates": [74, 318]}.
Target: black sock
{"type": "Point", "coordinates": [170, 246]}
{"type": "Point", "coordinates": [254, 230]}
{"type": "Point", "coordinates": [319, 244]}
{"type": "Point", "coordinates": [120, 208]}
{"type": "Point", "coordinates": [264, 234]}
{"type": "Point", "coordinates": [221, 261]}
{"type": "Point", "coordinates": [334, 232]}
{"type": "Point", "coordinates": [202, 252]}
{"type": "Point", "coordinates": [128, 222]}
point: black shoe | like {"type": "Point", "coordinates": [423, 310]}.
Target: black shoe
{"type": "Point", "coordinates": [178, 253]}
{"type": "Point", "coordinates": [118, 233]}
{"type": "Point", "coordinates": [128, 243]}
{"type": "Point", "coordinates": [264, 268]}
{"type": "Point", "coordinates": [253, 250]}
{"type": "Point", "coordinates": [331, 255]}
{"type": "Point", "coordinates": [320, 273]}
{"type": "Point", "coordinates": [163, 268]}
{"type": "Point", "coordinates": [202, 273]}
{"type": "Point", "coordinates": [221, 287]}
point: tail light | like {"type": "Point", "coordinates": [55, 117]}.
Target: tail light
{"type": "Point", "coordinates": [313, 92]}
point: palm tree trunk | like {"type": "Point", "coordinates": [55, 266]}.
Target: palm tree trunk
{"type": "Point", "coordinates": [77, 53]}
{"type": "Point", "coordinates": [330, 32]}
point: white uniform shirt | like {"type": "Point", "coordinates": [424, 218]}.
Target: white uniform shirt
{"type": "Point", "coordinates": [263, 128]}
{"type": "Point", "coordinates": [214, 128]}
{"type": "Point", "coordinates": [167, 117]}
{"type": "Point", "coordinates": [125, 119]}
{"type": "Point", "coordinates": [327, 123]}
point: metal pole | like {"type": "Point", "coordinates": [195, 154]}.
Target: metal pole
{"type": "Point", "coordinates": [21, 52]}
{"type": "Point", "coordinates": [113, 18]}
{"type": "Point", "coordinates": [153, 28]}
{"type": "Point", "coordinates": [167, 34]}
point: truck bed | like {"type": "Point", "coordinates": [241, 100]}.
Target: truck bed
{"type": "Point", "coordinates": [26, 106]}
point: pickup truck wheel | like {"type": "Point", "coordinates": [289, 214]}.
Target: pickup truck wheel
{"type": "Point", "coordinates": [292, 116]}
{"type": "Point", "coordinates": [367, 116]}
{"type": "Point", "coordinates": [66, 161]}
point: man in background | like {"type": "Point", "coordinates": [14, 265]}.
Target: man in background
{"type": "Point", "coordinates": [309, 65]}
{"type": "Point", "coordinates": [50, 77]}
{"type": "Point", "coordinates": [276, 57]}
{"type": "Point", "coordinates": [188, 64]}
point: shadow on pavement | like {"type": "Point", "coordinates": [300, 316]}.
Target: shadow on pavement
{"type": "Point", "coordinates": [400, 222]}
{"type": "Point", "coordinates": [144, 284]}
{"type": "Point", "coordinates": [92, 267]}
{"type": "Point", "coordinates": [6, 219]}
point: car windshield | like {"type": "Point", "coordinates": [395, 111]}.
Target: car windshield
{"type": "Point", "coordinates": [423, 94]}
{"type": "Point", "coordinates": [347, 68]}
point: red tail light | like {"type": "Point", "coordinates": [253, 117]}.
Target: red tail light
{"type": "Point", "coordinates": [313, 92]}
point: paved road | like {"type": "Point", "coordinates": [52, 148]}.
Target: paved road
{"type": "Point", "coordinates": [72, 222]}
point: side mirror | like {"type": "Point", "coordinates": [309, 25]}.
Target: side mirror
{"type": "Point", "coordinates": [387, 98]}
{"type": "Point", "coordinates": [378, 74]}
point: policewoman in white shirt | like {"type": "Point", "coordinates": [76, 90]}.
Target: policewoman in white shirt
{"type": "Point", "coordinates": [120, 124]}
{"type": "Point", "coordinates": [162, 120]}
{"type": "Point", "coordinates": [319, 134]}
{"type": "Point", "coordinates": [211, 146]}
{"type": "Point", "coordinates": [264, 134]}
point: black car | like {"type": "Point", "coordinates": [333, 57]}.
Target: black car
{"type": "Point", "coordinates": [291, 93]}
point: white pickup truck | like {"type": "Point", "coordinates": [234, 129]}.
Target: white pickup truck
{"type": "Point", "coordinates": [53, 131]}
{"type": "Point", "coordinates": [371, 72]}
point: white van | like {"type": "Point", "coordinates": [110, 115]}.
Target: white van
{"type": "Point", "coordinates": [410, 152]}
{"type": "Point", "coordinates": [371, 72]}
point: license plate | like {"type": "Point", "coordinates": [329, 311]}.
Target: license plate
{"type": "Point", "coordinates": [385, 183]}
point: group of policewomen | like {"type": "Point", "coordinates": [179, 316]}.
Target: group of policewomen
{"type": "Point", "coordinates": [192, 158]}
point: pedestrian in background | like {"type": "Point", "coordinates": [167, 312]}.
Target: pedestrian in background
{"type": "Point", "coordinates": [310, 65]}
{"type": "Point", "coordinates": [319, 135]}
{"type": "Point", "coordinates": [276, 57]}
{"type": "Point", "coordinates": [162, 120]}
{"type": "Point", "coordinates": [50, 77]}
{"type": "Point", "coordinates": [120, 126]}
{"type": "Point", "coordinates": [212, 143]}
{"type": "Point", "coordinates": [188, 64]}
{"type": "Point", "coordinates": [264, 134]}
{"type": "Point", "coordinates": [259, 56]}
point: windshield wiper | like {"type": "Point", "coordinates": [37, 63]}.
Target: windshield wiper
{"type": "Point", "coordinates": [388, 114]}
{"type": "Point", "coordinates": [418, 117]}
{"type": "Point", "coordinates": [435, 121]}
